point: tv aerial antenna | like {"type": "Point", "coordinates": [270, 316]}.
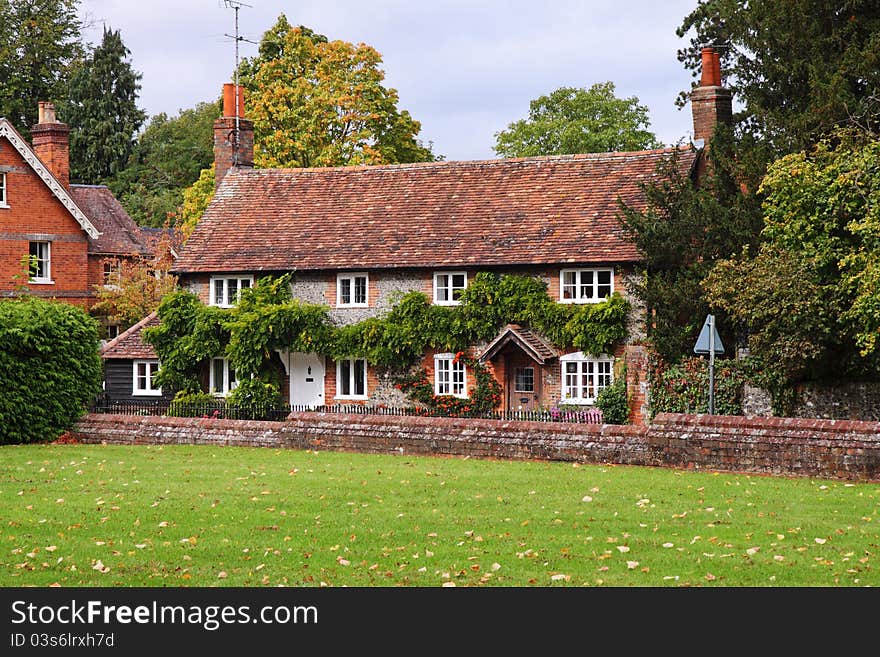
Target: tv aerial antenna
{"type": "Point", "coordinates": [235, 5]}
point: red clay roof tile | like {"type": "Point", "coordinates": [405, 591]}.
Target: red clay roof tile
{"type": "Point", "coordinates": [130, 343]}
{"type": "Point", "coordinates": [543, 210]}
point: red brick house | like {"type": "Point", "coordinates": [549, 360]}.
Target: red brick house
{"type": "Point", "coordinates": [73, 234]}
{"type": "Point", "coordinates": [354, 238]}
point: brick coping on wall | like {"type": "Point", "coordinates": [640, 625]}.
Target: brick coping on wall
{"type": "Point", "coordinates": [782, 446]}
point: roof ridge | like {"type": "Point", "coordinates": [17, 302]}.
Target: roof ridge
{"type": "Point", "coordinates": [610, 155]}
{"type": "Point", "coordinates": [112, 344]}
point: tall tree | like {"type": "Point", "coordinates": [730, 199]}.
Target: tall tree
{"type": "Point", "coordinates": [808, 296]}
{"type": "Point", "coordinates": [167, 158]}
{"type": "Point", "coordinates": [39, 43]}
{"type": "Point", "coordinates": [316, 102]}
{"type": "Point", "coordinates": [800, 67]}
{"type": "Point", "coordinates": [102, 111]}
{"type": "Point", "coordinates": [573, 120]}
{"type": "Point", "coordinates": [681, 233]}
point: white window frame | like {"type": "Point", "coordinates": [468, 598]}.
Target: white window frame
{"type": "Point", "coordinates": [225, 302]}
{"type": "Point", "coordinates": [351, 278]}
{"type": "Point", "coordinates": [450, 301]}
{"type": "Point", "coordinates": [351, 379]}
{"type": "Point", "coordinates": [149, 390]}
{"type": "Point", "coordinates": [450, 376]}
{"type": "Point", "coordinates": [227, 385]}
{"type": "Point", "coordinates": [4, 197]}
{"type": "Point", "coordinates": [598, 369]}
{"type": "Point", "coordinates": [579, 284]}
{"type": "Point", "coordinates": [47, 279]}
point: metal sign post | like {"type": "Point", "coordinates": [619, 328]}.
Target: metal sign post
{"type": "Point", "coordinates": [709, 342]}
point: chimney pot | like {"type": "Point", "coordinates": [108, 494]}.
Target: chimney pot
{"type": "Point", "coordinates": [711, 73]}
{"type": "Point", "coordinates": [46, 112]}
{"type": "Point", "coordinates": [229, 100]}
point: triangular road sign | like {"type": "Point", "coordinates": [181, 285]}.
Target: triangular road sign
{"type": "Point", "coordinates": [703, 342]}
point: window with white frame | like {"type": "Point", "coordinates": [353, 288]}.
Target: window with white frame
{"type": "Point", "coordinates": [448, 286]}
{"type": "Point", "coordinates": [111, 266]}
{"type": "Point", "coordinates": [225, 289]}
{"type": "Point", "coordinates": [144, 378]}
{"type": "Point", "coordinates": [352, 290]}
{"type": "Point", "coordinates": [40, 262]}
{"type": "Point", "coordinates": [351, 378]}
{"type": "Point", "coordinates": [222, 378]}
{"type": "Point", "coordinates": [584, 377]}
{"type": "Point", "coordinates": [3, 201]}
{"type": "Point", "coordinates": [450, 376]}
{"type": "Point", "coordinates": [585, 285]}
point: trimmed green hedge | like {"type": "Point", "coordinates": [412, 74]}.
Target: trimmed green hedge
{"type": "Point", "coordinates": [50, 368]}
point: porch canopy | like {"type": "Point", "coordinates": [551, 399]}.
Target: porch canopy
{"type": "Point", "coordinates": [529, 342]}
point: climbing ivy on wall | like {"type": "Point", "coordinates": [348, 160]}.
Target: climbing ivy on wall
{"type": "Point", "coordinates": [267, 318]}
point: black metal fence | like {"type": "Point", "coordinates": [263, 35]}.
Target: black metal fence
{"type": "Point", "coordinates": [221, 410]}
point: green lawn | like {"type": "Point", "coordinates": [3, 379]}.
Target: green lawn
{"type": "Point", "coordinates": [80, 515]}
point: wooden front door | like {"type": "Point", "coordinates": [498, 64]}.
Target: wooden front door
{"type": "Point", "coordinates": [523, 384]}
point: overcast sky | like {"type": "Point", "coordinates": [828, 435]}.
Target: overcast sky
{"type": "Point", "coordinates": [464, 68]}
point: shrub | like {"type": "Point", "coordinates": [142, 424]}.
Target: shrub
{"type": "Point", "coordinates": [253, 399]}
{"type": "Point", "coordinates": [614, 403]}
{"type": "Point", "coordinates": [50, 368]}
{"type": "Point", "coordinates": [684, 387]}
{"type": "Point", "coordinates": [193, 404]}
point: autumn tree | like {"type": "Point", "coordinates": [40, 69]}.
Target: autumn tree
{"type": "Point", "coordinates": [573, 120]}
{"type": "Point", "coordinates": [40, 44]}
{"type": "Point", "coordinates": [101, 108]}
{"type": "Point", "coordinates": [167, 158]}
{"type": "Point", "coordinates": [135, 286]}
{"type": "Point", "coordinates": [800, 67]}
{"type": "Point", "coordinates": [316, 102]}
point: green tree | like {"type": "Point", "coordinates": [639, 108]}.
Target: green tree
{"type": "Point", "coordinates": [39, 45]}
{"type": "Point", "coordinates": [316, 102]}
{"type": "Point", "coordinates": [168, 157]}
{"type": "Point", "coordinates": [102, 111]}
{"type": "Point", "coordinates": [196, 199]}
{"type": "Point", "coordinates": [808, 296]}
{"type": "Point", "coordinates": [573, 120]}
{"type": "Point", "coordinates": [680, 233]}
{"type": "Point", "coordinates": [800, 67]}
{"type": "Point", "coordinates": [50, 368]}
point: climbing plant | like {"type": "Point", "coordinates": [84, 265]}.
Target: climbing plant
{"type": "Point", "coordinates": [267, 318]}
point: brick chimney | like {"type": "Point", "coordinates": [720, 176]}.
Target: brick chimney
{"type": "Point", "coordinates": [710, 102]}
{"type": "Point", "coordinates": [228, 151]}
{"type": "Point", "coordinates": [51, 142]}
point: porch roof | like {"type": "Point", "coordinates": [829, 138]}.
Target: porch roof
{"type": "Point", "coordinates": [531, 343]}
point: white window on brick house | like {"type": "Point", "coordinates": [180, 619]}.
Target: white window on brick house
{"type": "Point", "coordinates": [450, 376]}
{"type": "Point", "coordinates": [143, 378]}
{"type": "Point", "coordinates": [448, 286]}
{"type": "Point", "coordinates": [226, 289]}
{"type": "Point", "coordinates": [584, 377]}
{"type": "Point", "coordinates": [352, 290]}
{"type": "Point", "coordinates": [585, 285]}
{"type": "Point", "coordinates": [351, 378]}
{"type": "Point", "coordinates": [4, 202]}
{"type": "Point", "coordinates": [222, 378]}
{"type": "Point", "coordinates": [40, 262]}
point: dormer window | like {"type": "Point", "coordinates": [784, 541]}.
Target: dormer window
{"type": "Point", "coordinates": [225, 290]}
{"type": "Point", "coordinates": [3, 201]}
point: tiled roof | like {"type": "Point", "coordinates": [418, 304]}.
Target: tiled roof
{"type": "Point", "coordinates": [130, 344]}
{"type": "Point", "coordinates": [119, 234]}
{"type": "Point", "coordinates": [543, 210]}
{"type": "Point", "coordinates": [531, 343]}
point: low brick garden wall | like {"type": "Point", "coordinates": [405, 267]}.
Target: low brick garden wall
{"type": "Point", "coordinates": [782, 446]}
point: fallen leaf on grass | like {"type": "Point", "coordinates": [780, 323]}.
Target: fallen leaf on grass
{"type": "Point", "coordinates": [623, 548]}
{"type": "Point", "coordinates": [710, 577]}
{"type": "Point", "coordinates": [586, 498]}
{"type": "Point", "coordinates": [820, 541]}
{"type": "Point", "coordinates": [222, 575]}
{"type": "Point", "coordinates": [668, 545]}
{"type": "Point", "coordinates": [632, 564]}
{"type": "Point", "coordinates": [560, 577]}
{"type": "Point", "coordinates": [100, 567]}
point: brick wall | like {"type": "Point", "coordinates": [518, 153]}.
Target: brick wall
{"type": "Point", "coordinates": [35, 214]}
{"type": "Point", "coordinates": [786, 446]}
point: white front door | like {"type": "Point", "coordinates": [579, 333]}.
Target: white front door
{"type": "Point", "coordinates": [306, 379]}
